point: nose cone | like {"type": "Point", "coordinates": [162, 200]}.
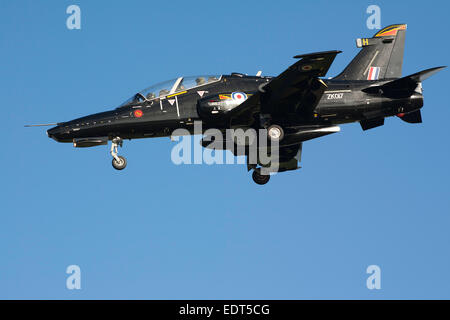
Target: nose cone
{"type": "Point", "coordinates": [55, 133]}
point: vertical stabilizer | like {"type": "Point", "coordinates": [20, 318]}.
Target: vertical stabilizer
{"type": "Point", "coordinates": [381, 56]}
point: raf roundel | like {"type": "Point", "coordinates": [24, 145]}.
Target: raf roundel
{"type": "Point", "coordinates": [240, 96]}
{"type": "Point", "coordinates": [138, 113]}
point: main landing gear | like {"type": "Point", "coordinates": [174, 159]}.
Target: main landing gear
{"type": "Point", "coordinates": [275, 133]}
{"type": "Point", "coordinates": [260, 178]}
{"type": "Point", "coordinates": [118, 162]}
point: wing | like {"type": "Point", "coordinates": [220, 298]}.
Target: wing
{"type": "Point", "coordinates": [298, 86]}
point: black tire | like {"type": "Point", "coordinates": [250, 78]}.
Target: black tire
{"type": "Point", "coordinates": [259, 178]}
{"type": "Point", "coordinates": [275, 127]}
{"type": "Point", "coordinates": [121, 165]}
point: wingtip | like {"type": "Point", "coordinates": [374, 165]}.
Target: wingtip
{"type": "Point", "coordinates": [316, 53]}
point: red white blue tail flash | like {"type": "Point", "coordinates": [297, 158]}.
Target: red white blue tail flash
{"type": "Point", "coordinates": [374, 73]}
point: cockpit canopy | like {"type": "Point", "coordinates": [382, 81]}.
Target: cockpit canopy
{"type": "Point", "coordinates": [171, 86]}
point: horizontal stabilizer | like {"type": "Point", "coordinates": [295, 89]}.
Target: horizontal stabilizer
{"type": "Point", "coordinates": [403, 87]}
{"type": "Point", "coordinates": [425, 74]}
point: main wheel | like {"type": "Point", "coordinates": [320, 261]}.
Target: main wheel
{"type": "Point", "coordinates": [275, 133]}
{"type": "Point", "coordinates": [119, 165]}
{"type": "Point", "coordinates": [260, 178]}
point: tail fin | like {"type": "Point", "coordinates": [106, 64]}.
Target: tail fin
{"type": "Point", "coordinates": [381, 56]}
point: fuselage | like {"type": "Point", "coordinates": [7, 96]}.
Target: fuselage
{"type": "Point", "coordinates": [158, 116]}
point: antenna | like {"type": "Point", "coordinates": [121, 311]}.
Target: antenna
{"type": "Point", "coordinates": [41, 125]}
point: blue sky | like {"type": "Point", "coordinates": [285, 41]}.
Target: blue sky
{"type": "Point", "coordinates": [161, 231]}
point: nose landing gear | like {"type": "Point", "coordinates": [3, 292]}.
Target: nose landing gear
{"type": "Point", "coordinates": [118, 162]}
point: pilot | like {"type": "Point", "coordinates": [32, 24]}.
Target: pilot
{"type": "Point", "coordinates": [200, 81]}
{"type": "Point", "coordinates": [150, 96]}
{"type": "Point", "coordinates": [163, 92]}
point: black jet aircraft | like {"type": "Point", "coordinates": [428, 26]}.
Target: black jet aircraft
{"type": "Point", "coordinates": [295, 106]}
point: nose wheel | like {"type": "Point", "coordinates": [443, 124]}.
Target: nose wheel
{"type": "Point", "coordinates": [118, 162]}
{"type": "Point", "coordinates": [259, 178]}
